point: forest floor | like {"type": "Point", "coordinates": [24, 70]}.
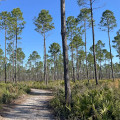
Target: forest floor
{"type": "Point", "coordinates": [30, 107]}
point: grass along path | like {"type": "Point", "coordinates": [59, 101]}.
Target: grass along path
{"type": "Point", "coordinates": [31, 107]}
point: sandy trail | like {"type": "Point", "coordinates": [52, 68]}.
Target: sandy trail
{"type": "Point", "coordinates": [32, 107]}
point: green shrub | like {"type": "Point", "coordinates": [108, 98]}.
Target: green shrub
{"type": "Point", "coordinates": [27, 90]}
{"type": "Point", "coordinates": [10, 91]}
{"type": "Point", "coordinates": [6, 97]}
{"type": "Point", "coordinates": [89, 102]}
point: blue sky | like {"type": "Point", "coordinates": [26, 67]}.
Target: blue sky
{"type": "Point", "coordinates": [31, 40]}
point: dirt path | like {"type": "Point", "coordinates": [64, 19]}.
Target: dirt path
{"type": "Point", "coordinates": [32, 107]}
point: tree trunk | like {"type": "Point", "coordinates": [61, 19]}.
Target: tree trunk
{"type": "Point", "coordinates": [106, 68]}
{"type": "Point", "coordinates": [93, 72]}
{"type": "Point", "coordinates": [73, 68]}
{"type": "Point", "coordinates": [80, 70]}
{"type": "Point", "coordinates": [95, 66]}
{"type": "Point", "coordinates": [109, 73]}
{"type": "Point", "coordinates": [86, 51]}
{"type": "Point", "coordinates": [45, 70]}
{"type": "Point", "coordinates": [111, 55]}
{"type": "Point", "coordinates": [65, 55]}
{"type": "Point", "coordinates": [16, 58]}
{"type": "Point", "coordinates": [5, 58]}
{"type": "Point", "coordinates": [13, 62]}
{"type": "Point", "coordinates": [47, 78]}
{"type": "Point", "coordinates": [77, 65]}
{"type": "Point", "coordinates": [57, 70]}
{"type": "Point", "coordinates": [100, 71]}
{"type": "Point", "coordinates": [54, 69]}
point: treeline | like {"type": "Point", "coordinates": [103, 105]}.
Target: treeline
{"type": "Point", "coordinates": [12, 23]}
{"type": "Point", "coordinates": [82, 60]}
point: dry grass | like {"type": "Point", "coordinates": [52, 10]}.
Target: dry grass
{"type": "Point", "coordinates": [115, 84]}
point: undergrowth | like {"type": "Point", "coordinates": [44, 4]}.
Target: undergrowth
{"type": "Point", "coordinates": [89, 102]}
{"type": "Point", "coordinates": [10, 91]}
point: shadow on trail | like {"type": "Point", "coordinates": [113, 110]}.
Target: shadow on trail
{"type": "Point", "coordinates": [34, 107]}
{"type": "Point", "coordinates": [41, 94]}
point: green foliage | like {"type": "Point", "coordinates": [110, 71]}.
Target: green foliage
{"type": "Point", "coordinates": [72, 27]}
{"type": "Point", "coordinates": [34, 56]}
{"type": "Point", "coordinates": [43, 22]}
{"type": "Point", "coordinates": [16, 22]}
{"type": "Point", "coordinates": [58, 103]}
{"type": "Point", "coordinates": [1, 58]}
{"type": "Point", "coordinates": [4, 20]}
{"type": "Point", "coordinates": [54, 49]}
{"type": "Point", "coordinates": [106, 54]}
{"type": "Point", "coordinates": [116, 45]}
{"type": "Point", "coordinates": [90, 59]}
{"type": "Point", "coordinates": [99, 52]}
{"type": "Point", "coordinates": [1, 53]}
{"type": "Point", "coordinates": [71, 24]}
{"type": "Point", "coordinates": [10, 91]}
{"type": "Point", "coordinates": [82, 2]}
{"type": "Point", "coordinates": [84, 14]}
{"type": "Point", "coordinates": [76, 42]}
{"type": "Point", "coordinates": [34, 59]}
{"type": "Point", "coordinates": [42, 85]}
{"type": "Point", "coordinates": [9, 48]}
{"type": "Point", "coordinates": [89, 102]}
{"type": "Point", "coordinates": [6, 97]}
{"type": "Point", "coordinates": [108, 20]}
{"type": "Point", "coordinates": [81, 55]}
{"type": "Point", "coordinates": [20, 55]}
{"type": "Point", "coordinates": [84, 17]}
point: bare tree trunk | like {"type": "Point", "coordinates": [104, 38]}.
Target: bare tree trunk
{"type": "Point", "coordinates": [93, 72]}
{"type": "Point", "coordinates": [65, 55]}
{"type": "Point", "coordinates": [13, 62]}
{"type": "Point", "coordinates": [45, 70]}
{"type": "Point", "coordinates": [109, 73]}
{"type": "Point", "coordinates": [100, 71]}
{"type": "Point", "coordinates": [5, 58]}
{"type": "Point", "coordinates": [47, 77]}
{"type": "Point", "coordinates": [105, 69]}
{"type": "Point", "coordinates": [111, 56]}
{"type": "Point", "coordinates": [95, 66]}
{"type": "Point", "coordinates": [54, 69]}
{"type": "Point", "coordinates": [73, 68]}
{"type": "Point", "coordinates": [86, 51]}
{"type": "Point", "coordinates": [16, 58]}
{"type": "Point", "coordinates": [77, 65]}
{"type": "Point", "coordinates": [80, 70]}
{"type": "Point", "coordinates": [57, 70]}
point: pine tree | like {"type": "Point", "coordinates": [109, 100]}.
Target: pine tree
{"type": "Point", "coordinates": [4, 23]}
{"type": "Point", "coordinates": [107, 23]}
{"type": "Point", "coordinates": [116, 45]}
{"type": "Point", "coordinates": [43, 25]}
{"type": "Point", "coordinates": [90, 3]}
{"type": "Point", "coordinates": [65, 55]}
{"type": "Point", "coordinates": [17, 25]}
